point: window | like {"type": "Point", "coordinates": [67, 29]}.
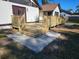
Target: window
{"type": "Point", "coordinates": [17, 10]}
{"type": "Point", "coordinates": [45, 13]}
{"type": "Point", "coordinates": [49, 13]}
{"type": "Point", "coordinates": [56, 13]}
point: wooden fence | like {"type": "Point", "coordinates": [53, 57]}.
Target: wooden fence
{"type": "Point", "coordinates": [54, 20]}
{"type": "Point", "coordinates": [19, 24]}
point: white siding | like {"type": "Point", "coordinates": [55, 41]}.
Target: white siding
{"type": "Point", "coordinates": [5, 13]}
{"type": "Point", "coordinates": [65, 14]}
{"type": "Point", "coordinates": [32, 13]}
{"type": "Point", "coordinates": [56, 10]}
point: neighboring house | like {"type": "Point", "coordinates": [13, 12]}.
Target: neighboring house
{"type": "Point", "coordinates": [69, 16]}
{"type": "Point", "coordinates": [74, 15]}
{"type": "Point", "coordinates": [49, 10]}
{"type": "Point", "coordinates": [65, 13]}
{"type": "Point", "coordinates": [17, 7]}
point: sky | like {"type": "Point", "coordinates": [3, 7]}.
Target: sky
{"type": "Point", "coordinates": [65, 4]}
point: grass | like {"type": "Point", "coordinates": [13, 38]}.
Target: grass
{"type": "Point", "coordinates": [2, 35]}
{"type": "Point", "coordinates": [67, 49]}
{"type": "Point", "coordinates": [74, 19]}
{"type": "Point", "coordinates": [71, 48]}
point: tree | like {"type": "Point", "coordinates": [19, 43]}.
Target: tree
{"type": "Point", "coordinates": [48, 1]}
{"type": "Point", "coordinates": [70, 10]}
{"type": "Point", "coordinates": [77, 9]}
{"type": "Point", "coordinates": [36, 1]}
{"type": "Point", "coordinates": [44, 1]}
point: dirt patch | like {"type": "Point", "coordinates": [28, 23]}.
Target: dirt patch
{"type": "Point", "coordinates": [4, 42]}
{"type": "Point", "coordinates": [4, 53]}
{"type": "Point", "coordinates": [66, 28]}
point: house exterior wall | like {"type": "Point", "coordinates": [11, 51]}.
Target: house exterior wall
{"type": "Point", "coordinates": [41, 15]}
{"type": "Point", "coordinates": [64, 14]}
{"type": "Point", "coordinates": [5, 12]}
{"type": "Point", "coordinates": [32, 13]}
{"type": "Point", "coordinates": [56, 10]}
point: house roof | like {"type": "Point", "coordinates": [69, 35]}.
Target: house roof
{"type": "Point", "coordinates": [48, 7]}
{"type": "Point", "coordinates": [62, 10]}
{"type": "Point", "coordinates": [20, 1]}
{"type": "Point", "coordinates": [25, 2]}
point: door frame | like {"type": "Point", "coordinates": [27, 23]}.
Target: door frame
{"type": "Point", "coordinates": [20, 7]}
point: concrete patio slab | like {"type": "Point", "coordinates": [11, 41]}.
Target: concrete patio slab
{"type": "Point", "coordinates": [36, 44]}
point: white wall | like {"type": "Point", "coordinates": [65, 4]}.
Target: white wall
{"type": "Point", "coordinates": [32, 14]}
{"type": "Point", "coordinates": [56, 10]}
{"type": "Point", "coordinates": [6, 11]}
{"type": "Point", "coordinates": [65, 14]}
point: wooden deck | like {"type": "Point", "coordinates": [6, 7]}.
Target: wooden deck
{"type": "Point", "coordinates": [20, 24]}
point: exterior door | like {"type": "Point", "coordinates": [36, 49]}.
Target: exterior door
{"type": "Point", "coordinates": [19, 11]}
